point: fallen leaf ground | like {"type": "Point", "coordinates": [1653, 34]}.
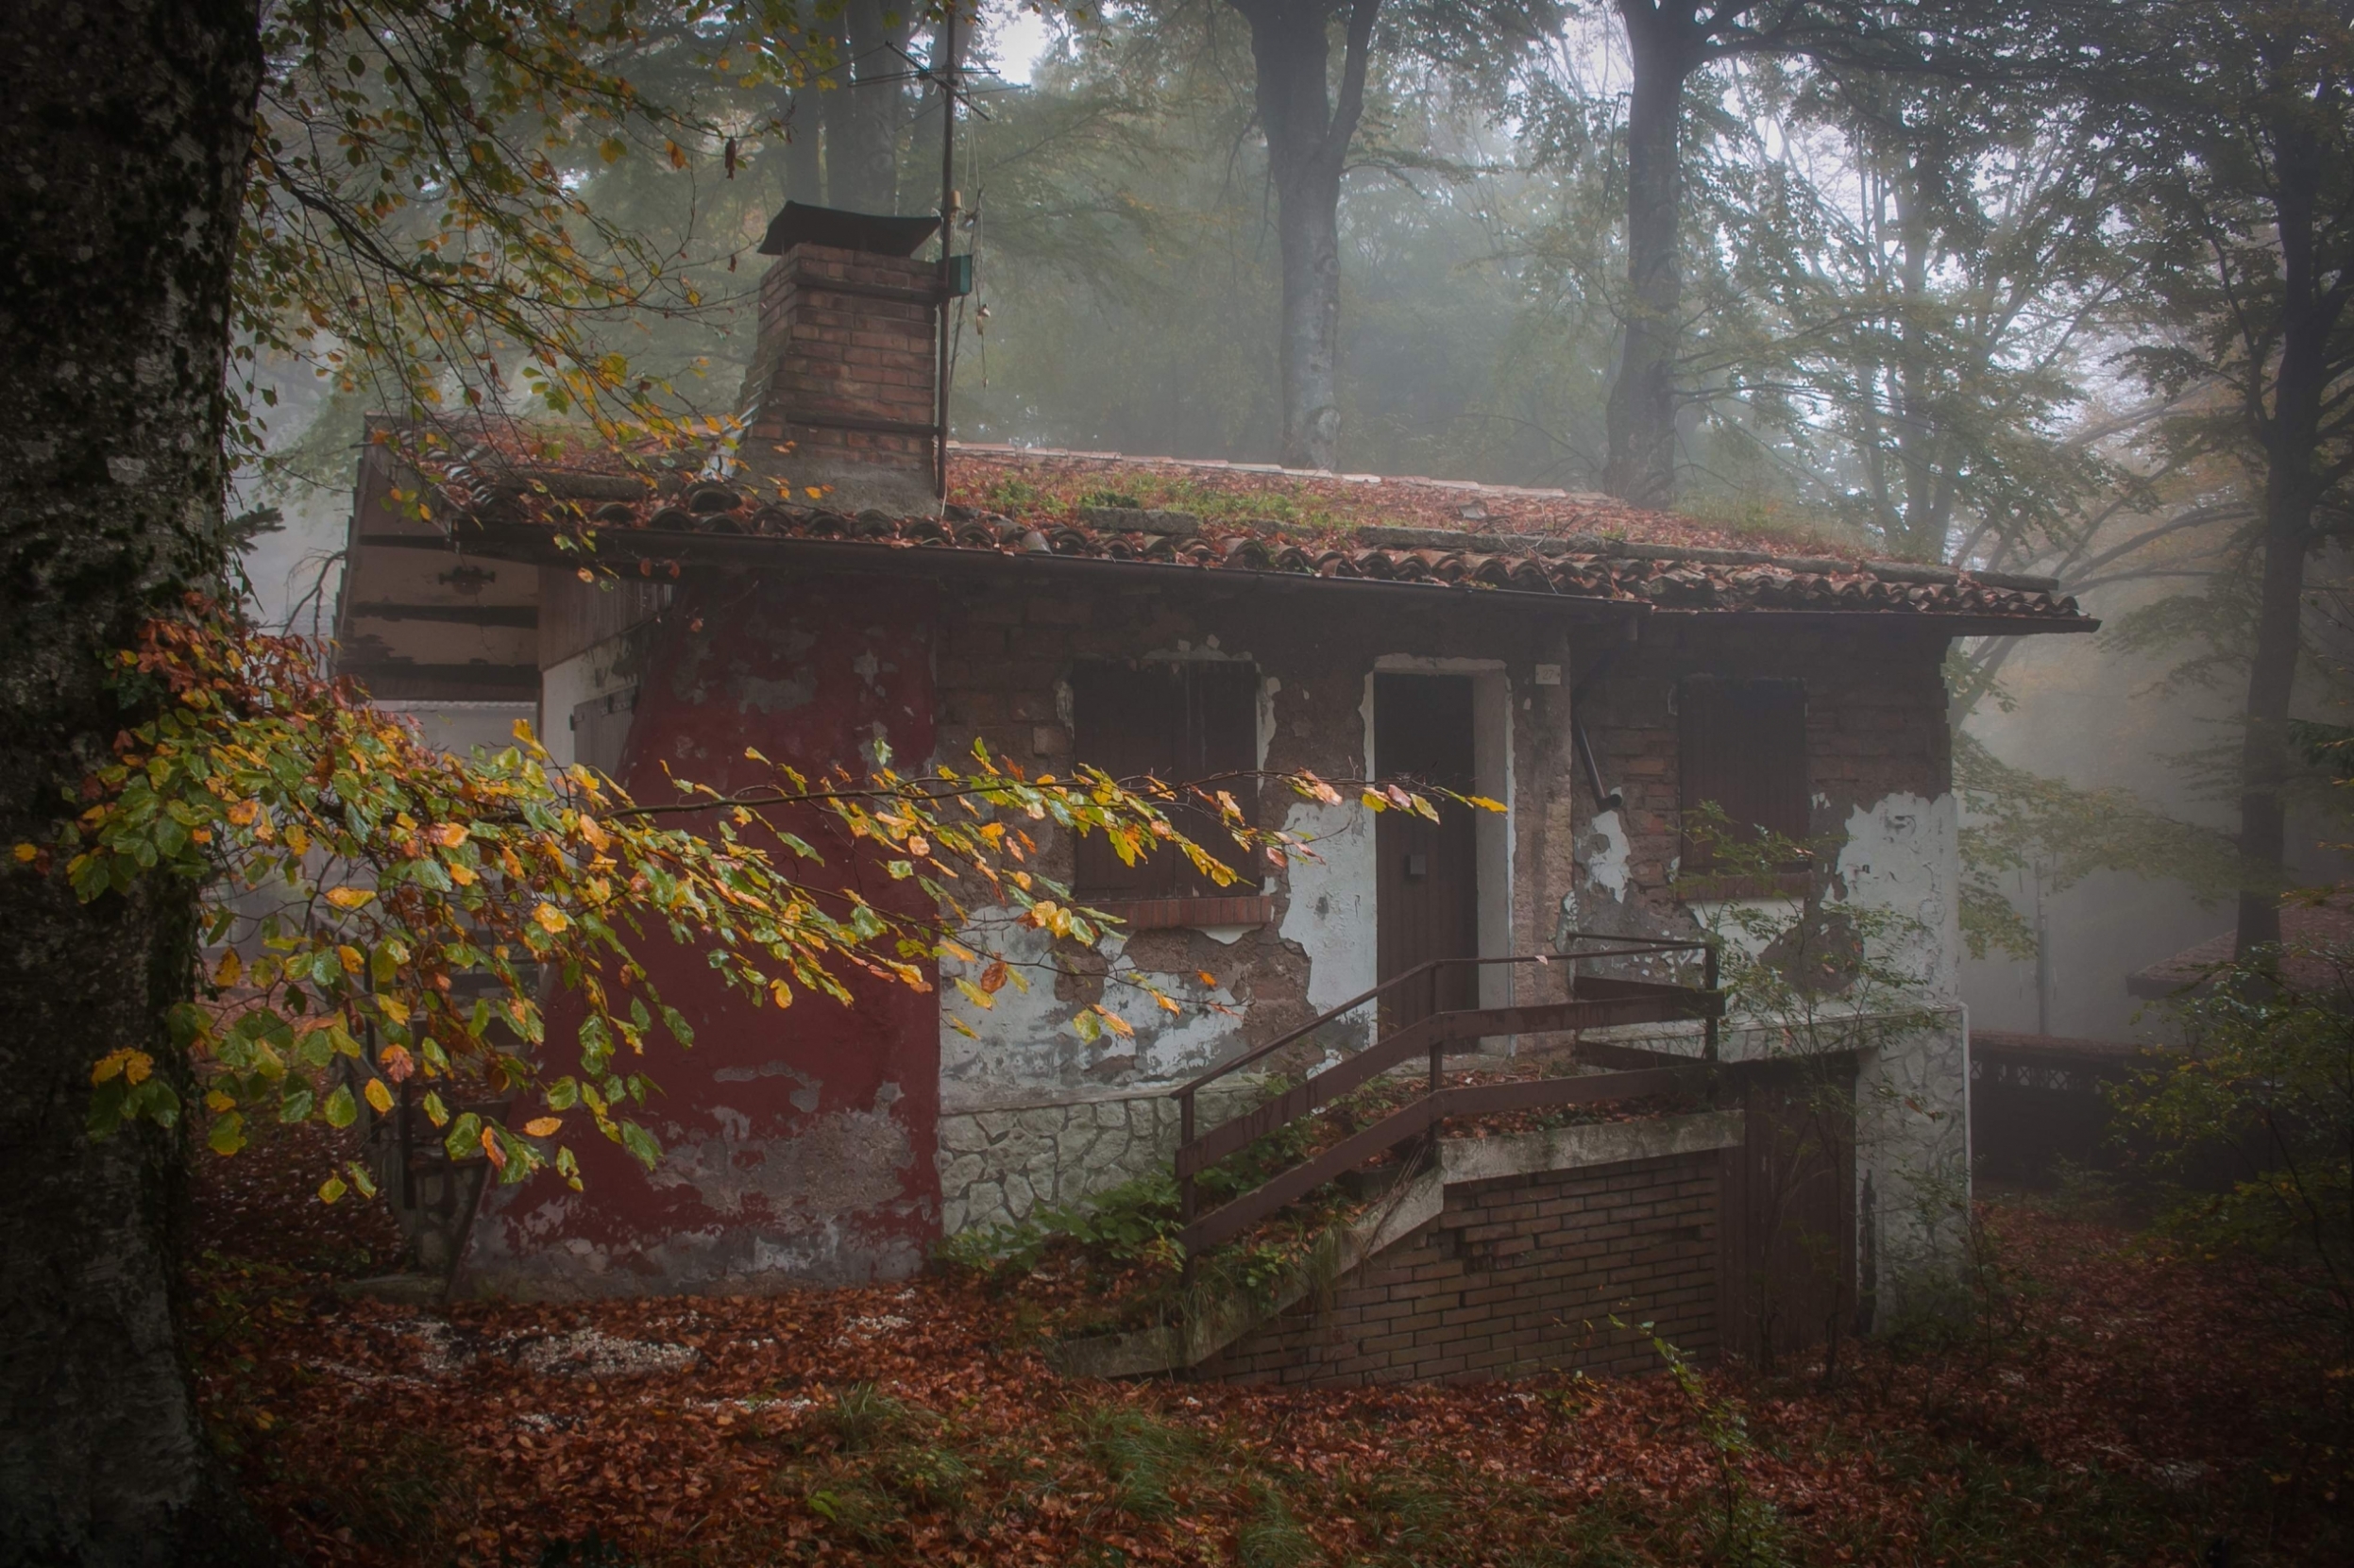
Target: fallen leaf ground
{"type": "Point", "coordinates": [2106, 1402]}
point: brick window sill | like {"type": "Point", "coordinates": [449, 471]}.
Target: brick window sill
{"type": "Point", "coordinates": [1170, 914]}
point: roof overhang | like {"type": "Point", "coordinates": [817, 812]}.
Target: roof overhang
{"type": "Point", "coordinates": [648, 550]}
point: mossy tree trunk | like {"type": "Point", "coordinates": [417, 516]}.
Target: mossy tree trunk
{"type": "Point", "coordinates": [124, 131]}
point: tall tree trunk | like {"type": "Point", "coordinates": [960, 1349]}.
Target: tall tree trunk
{"type": "Point", "coordinates": [1666, 46]}
{"type": "Point", "coordinates": [862, 140]}
{"type": "Point", "coordinates": [804, 167]}
{"type": "Point", "coordinates": [2292, 435]}
{"type": "Point", "coordinates": [1308, 137]}
{"type": "Point", "coordinates": [125, 129]}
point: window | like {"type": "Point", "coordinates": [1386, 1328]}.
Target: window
{"type": "Point", "coordinates": [1744, 747]}
{"type": "Point", "coordinates": [1178, 722]}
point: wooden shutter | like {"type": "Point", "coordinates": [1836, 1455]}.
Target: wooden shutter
{"type": "Point", "coordinates": [1180, 723]}
{"type": "Point", "coordinates": [1744, 748]}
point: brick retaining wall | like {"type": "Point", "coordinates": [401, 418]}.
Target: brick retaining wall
{"type": "Point", "coordinates": [1516, 1273]}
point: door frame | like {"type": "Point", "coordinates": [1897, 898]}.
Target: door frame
{"type": "Point", "coordinates": [1492, 832]}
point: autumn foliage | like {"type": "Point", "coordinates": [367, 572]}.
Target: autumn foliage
{"type": "Point", "coordinates": [2117, 1404]}
{"type": "Point", "coordinates": [386, 912]}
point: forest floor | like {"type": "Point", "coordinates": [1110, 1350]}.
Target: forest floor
{"type": "Point", "coordinates": [2105, 1401]}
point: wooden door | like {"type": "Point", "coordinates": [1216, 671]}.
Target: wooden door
{"type": "Point", "coordinates": [1426, 888]}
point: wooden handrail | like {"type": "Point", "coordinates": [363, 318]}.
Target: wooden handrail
{"type": "Point", "coordinates": [1410, 1120]}
{"type": "Point", "coordinates": [1594, 1003]}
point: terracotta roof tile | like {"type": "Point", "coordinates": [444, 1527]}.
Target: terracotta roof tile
{"type": "Point", "coordinates": [1258, 519]}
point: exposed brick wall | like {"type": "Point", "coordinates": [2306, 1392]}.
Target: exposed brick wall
{"type": "Point", "coordinates": [1514, 1274]}
{"type": "Point", "coordinates": [832, 353]}
{"type": "Point", "coordinates": [1875, 726]}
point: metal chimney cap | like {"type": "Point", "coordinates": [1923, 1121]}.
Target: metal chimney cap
{"type": "Point", "coordinates": [800, 223]}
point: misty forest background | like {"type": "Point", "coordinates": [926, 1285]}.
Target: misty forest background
{"type": "Point", "coordinates": [1916, 319]}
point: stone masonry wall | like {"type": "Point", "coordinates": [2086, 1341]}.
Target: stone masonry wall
{"type": "Point", "coordinates": [1514, 1274]}
{"type": "Point", "coordinates": [998, 1166]}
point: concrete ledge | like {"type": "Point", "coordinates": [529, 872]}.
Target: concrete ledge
{"type": "Point", "coordinates": [1405, 1210]}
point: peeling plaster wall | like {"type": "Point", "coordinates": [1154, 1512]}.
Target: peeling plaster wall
{"type": "Point", "coordinates": [1881, 778]}
{"type": "Point", "coordinates": [1021, 1083]}
{"type": "Point", "coordinates": [798, 1143]}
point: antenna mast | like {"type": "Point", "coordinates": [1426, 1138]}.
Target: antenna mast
{"type": "Point", "coordinates": [944, 77]}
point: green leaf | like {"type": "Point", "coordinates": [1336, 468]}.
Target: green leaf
{"type": "Point", "coordinates": [295, 1106]}
{"type": "Point", "coordinates": [228, 1135]}
{"type": "Point", "coordinates": [641, 1143]}
{"type": "Point", "coordinates": [341, 1109]}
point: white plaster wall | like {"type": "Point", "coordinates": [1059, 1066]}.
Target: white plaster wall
{"type": "Point", "coordinates": [1331, 914]}
{"type": "Point", "coordinates": [461, 727]}
{"type": "Point", "coordinates": [1903, 854]}
{"type": "Point", "coordinates": [1022, 1047]}
{"type": "Point", "coordinates": [597, 671]}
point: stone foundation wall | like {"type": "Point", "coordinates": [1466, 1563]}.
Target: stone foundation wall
{"type": "Point", "coordinates": [998, 1165]}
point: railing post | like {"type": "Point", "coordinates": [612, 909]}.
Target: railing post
{"type": "Point", "coordinates": [1708, 980]}
{"type": "Point", "coordinates": [1185, 1180]}
{"type": "Point", "coordinates": [1438, 1039]}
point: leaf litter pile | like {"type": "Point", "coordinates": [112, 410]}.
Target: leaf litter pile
{"type": "Point", "coordinates": [2101, 1403]}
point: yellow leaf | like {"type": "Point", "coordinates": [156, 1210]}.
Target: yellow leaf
{"type": "Point", "coordinates": [243, 812]}
{"type": "Point", "coordinates": [551, 919]}
{"type": "Point", "coordinates": [463, 875]}
{"type": "Point", "coordinates": [27, 851]}
{"type": "Point", "coordinates": [782, 993]}
{"type": "Point", "coordinates": [216, 1102]}
{"type": "Point", "coordinates": [393, 1009]}
{"type": "Point", "coordinates": [449, 835]}
{"type": "Point", "coordinates": [491, 1150]}
{"type": "Point", "coordinates": [331, 1188]}
{"type": "Point", "coordinates": [226, 973]}
{"type": "Point", "coordinates": [342, 898]}
{"type": "Point", "coordinates": [350, 958]}
{"type": "Point", "coordinates": [1372, 802]}
{"type": "Point", "coordinates": [544, 1126]}
{"type": "Point", "coordinates": [296, 839]}
{"type": "Point", "coordinates": [378, 1096]}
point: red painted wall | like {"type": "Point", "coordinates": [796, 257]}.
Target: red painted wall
{"type": "Point", "coordinates": [798, 1142]}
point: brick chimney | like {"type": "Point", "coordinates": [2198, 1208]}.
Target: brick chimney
{"type": "Point", "coordinates": [841, 390]}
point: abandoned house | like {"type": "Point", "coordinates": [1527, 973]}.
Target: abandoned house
{"type": "Point", "coordinates": [1597, 669]}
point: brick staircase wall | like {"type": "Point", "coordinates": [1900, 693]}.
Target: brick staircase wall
{"type": "Point", "coordinates": [1514, 1274]}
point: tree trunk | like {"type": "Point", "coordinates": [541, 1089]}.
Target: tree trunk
{"type": "Point", "coordinates": [126, 129]}
{"type": "Point", "coordinates": [1308, 137]}
{"type": "Point", "coordinates": [862, 141]}
{"type": "Point", "coordinates": [2292, 435]}
{"type": "Point", "coordinates": [804, 170]}
{"type": "Point", "coordinates": [1665, 45]}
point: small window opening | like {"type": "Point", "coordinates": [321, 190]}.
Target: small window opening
{"type": "Point", "coordinates": [1744, 749]}
{"type": "Point", "coordinates": [1181, 723]}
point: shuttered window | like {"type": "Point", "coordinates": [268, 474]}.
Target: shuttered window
{"type": "Point", "coordinates": [1744, 748]}
{"type": "Point", "coordinates": [1179, 723]}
